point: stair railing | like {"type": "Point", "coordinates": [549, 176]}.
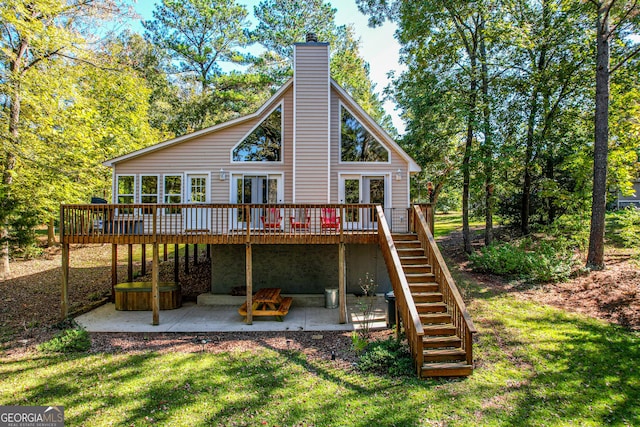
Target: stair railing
{"type": "Point", "coordinates": [447, 286]}
{"type": "Point", "coordinates": [404, 301]}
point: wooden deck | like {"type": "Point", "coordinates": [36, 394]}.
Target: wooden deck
{"type": "Point", "coordinates": [435, 320]}
{"type": "Point", "coordinates": [222, 224]}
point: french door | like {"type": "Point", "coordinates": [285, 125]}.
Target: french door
{"type": "Point", "coordinates": [254, 189]}
{"type": "Point", "coordinates": [358, 189]}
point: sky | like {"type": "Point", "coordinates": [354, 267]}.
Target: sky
{"type": "Point", "coordinates": [377, 45]}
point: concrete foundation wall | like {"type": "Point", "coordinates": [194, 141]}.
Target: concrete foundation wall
{"type": "Point", "coordinates": [303, 269]}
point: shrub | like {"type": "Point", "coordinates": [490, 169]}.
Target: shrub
{"type": "Point", "coordinates": [540, 261]}
{"type": "Point", "coordinates": [388, 356]}
{"type": "Point", "coordinates": [67, 341]}
{"type": "Point", "coordinates": [627, 225]}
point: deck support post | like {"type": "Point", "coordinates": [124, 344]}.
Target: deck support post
{"type": "Point", "coordinates": [155, 292]}
{"type": "Point", "coordinates": [165, 256]}
{"type": "Point", "coordinates": [176, 263]}
{"type": "Point", "coordinates": [130, 263]}
{"type": "Point", "coordinates": [64, 291]}
{"type": "Point", "coordinates": [114, 271]}
{"type": "Point", "coordinates": [143, 258]}
{"type": "Point", "coordinates": [195, 254]}
{"type": "Point", "coordinates": [211, 268]}
{"type": "Point", "coordinates": [186, 258]}
{"type": "Point", "coordinates": [249, 280]}
{"type": "Point", "coordinates": [342, 288]}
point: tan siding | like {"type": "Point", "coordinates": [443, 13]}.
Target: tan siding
{"type": "Point", "coordinates": [312, 115]}
{"type": "Point", "coordinates": [211, 152]}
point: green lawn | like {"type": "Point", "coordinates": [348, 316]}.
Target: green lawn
{"type": "Point", "coordinates": [445, 223]}
{"type": "Point", "coordinates": [535, 366]}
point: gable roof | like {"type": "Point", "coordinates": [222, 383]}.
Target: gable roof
{"type": "Point", "coordinates": [347, 99]}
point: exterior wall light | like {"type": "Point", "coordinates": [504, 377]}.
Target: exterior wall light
{"type": "Point", "coordinates": [398, 175]}
{"type": "Point", "coordinates": [223, 175]}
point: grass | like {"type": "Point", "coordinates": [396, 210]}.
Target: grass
{"type": "Point", "coordinates": [536, 366]}
{"type": "Point", "coordinates": [446, 223]}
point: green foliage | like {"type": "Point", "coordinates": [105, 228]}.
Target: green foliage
{"type": "Point", "coordinates": [390, 357]}
{"type": "Point", "coordinates": [541, 261]}
{"type": "Point", "coordinates": [68, 341]}
{"type": "Point", "coordinates": [626, 224]}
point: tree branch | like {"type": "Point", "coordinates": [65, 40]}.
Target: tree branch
{"type": "Point", "coordinates": [631, 54]}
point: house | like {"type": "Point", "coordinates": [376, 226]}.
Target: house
{"type": "Point", "coordinates": [307, 193]}
{"type": "Point", "coordinates": [310, 143]}
{"type": "Point", "coordinates": [632, 200]}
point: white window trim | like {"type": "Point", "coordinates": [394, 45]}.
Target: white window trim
{"type": "Point", "coordinates": [157, 193]}
{"type": "Point", "coordinates": [116, 193]}
{"type": "Point", "coordinates": [360, 175]}
{"type": "Point", "coordinates": [341, 105]}
{"type": "Point", "coordinates": [164, 189]}
{"type": "Point", "coordinates": [233, 176]}
{"type": "Point", "coordinates": [246, 135]}
{"type": "Point", "coordinates": [185, 183]}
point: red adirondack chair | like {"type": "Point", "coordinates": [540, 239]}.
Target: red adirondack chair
{"type": "Point", "coordinates": [329, 218]}
{"type": "Point", "coordinates": [272, 219]}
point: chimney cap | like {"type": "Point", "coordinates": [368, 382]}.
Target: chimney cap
{"type": "Point", "coordinates": [312, 37]}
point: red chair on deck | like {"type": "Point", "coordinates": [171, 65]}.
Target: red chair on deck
{"type": "Point", "coordinates": [300, 220]}
{"type": "Point", "coordinates": [329, 218]}
{"type": "Point", "coordinates": [272, 219]}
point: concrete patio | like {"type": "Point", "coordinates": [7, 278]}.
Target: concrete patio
{"type": "Point", "coordinates": [219, 313]}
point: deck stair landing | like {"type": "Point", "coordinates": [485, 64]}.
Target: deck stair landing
{"type": "Point", "coordinates": [443, 352]}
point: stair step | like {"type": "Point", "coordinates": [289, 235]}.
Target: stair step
{"type": "Point", "coordinates": [435, 318]}
{"type": "Point", "coordinates": [408, 244]}
{"type": "Point", "coordinates": [424, 287]}
{"type": "Point", "coordinates": [410, 252]}
{"type": "Point", "coordinates": [420, 277]}
{"type": "Point", "coordinates": [446, 370]}
{"type": "Point", "coordinates": [414, 260]}
{"type": "Point", "coordinates": [422, 297]}
{"type": "Point", "coordinates": [400, 237]}
{"type": "Point", "coordinates": [416, 268]}
{"type": "Point", "coordinates": [431, 307]}
{"type": "Point", "coordinates": [439, 329]}
{"type": "Point", "coordinates": [440, 342]}
{"type": "Point", "coordinates": [444, 355]}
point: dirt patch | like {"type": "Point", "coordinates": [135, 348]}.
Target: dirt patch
{"type": "Point", "coordinates": [612, 294]}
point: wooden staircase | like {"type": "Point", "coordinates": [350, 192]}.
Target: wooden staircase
{"type": "Point", "coordinates": [443, 353]}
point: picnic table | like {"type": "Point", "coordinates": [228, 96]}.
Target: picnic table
{"type": "Point", "coordinates": [268, 302]}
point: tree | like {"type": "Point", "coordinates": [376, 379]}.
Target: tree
{"type": "Point", "coordinates": [33, 33]}
{"type": "Point", "coordinates": [281, 23]}
{"type": "Point", "coordinates": [200, 35]}
{"type": "Point", "coordinates": [614, 18]}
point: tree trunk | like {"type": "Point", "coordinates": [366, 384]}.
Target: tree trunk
{"type": "Point", "coordinates": [595, 256]}
{"type": "Point", "coordinates": [51, 233]}
{"type": "Point", "coordinates": [487, 146]}
{"type": "Point", "coordinates": [525, 207]}
{"type": "Point", "coordinates": [466, 172]}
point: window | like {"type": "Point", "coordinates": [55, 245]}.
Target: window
{"type": "Point", "coordinates": [149, 191]}
{"type": "Point", "coordinates": [173, 191]}
{"type": "Point", "coordinates": [264, 144]}
{"type": "Point", "coordinates": [357, 144]}
{"type": "Point", "coordinates": [125, 187]}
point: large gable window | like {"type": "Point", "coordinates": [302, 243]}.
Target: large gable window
{"type": "Point", "coordinates": [264, 144]}
{"type": "Point", "coordinates": [356, 143]}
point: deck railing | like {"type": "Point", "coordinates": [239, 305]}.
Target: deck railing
{"type": "Point", "coordinates": [404, 300]}
{"type": "Point", "coordinates": [451, 296]}
{"type": "Point", "coordinates": [221, 223]}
